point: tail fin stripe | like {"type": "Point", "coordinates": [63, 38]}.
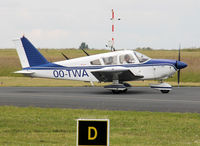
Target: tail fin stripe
{"type": "Point", "coordinates": [33, 55]}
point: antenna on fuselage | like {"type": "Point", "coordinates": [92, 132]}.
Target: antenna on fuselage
{"type": "Point", "coordinates": [65, 56]}
{"type": "Point", "coordinates": [85, 52]}
{"type": "Point", "coordinates": [110, 44]}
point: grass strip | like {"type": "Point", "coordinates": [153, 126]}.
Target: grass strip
{"type": "Point", "coordinates": [52, 126]}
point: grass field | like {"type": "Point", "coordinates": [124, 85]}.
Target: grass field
{"type": "Point", "coordinates": [51, 126]}
{"type": "Point", "coordinates": [9, 63]}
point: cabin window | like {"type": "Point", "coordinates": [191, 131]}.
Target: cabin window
{"type": "Point", "coordinates": [112, 60]}
{"type": "Point", "coordinates": [126, 58]}
{"type": "Point", "coordinates": [95, 62]}
{"type": "Point", "coordinates": [141, 57]}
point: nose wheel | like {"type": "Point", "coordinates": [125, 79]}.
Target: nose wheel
{"type": "Point", "coordinates": [116, 91]}
{"type": "Point", "coordinates": [162, 87]}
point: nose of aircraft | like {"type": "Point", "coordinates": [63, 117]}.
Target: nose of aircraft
{"type": "Point", "coordinates": [180, 65]}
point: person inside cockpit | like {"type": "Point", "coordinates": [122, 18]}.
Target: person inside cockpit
{"type": "Point", "coordinates": [127, 59]}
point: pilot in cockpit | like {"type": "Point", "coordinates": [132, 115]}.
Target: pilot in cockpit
{"type": "Point", "coordinates": [127, 59]}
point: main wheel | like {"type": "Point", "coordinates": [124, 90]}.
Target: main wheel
{"type": "Point", "coordinates": [164, 91]}
{"type": "Point", "coordinates": [124, 91]}
{"type": "Point", "coordinates": [119, 91]}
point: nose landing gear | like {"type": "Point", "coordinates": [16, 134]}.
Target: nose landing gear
{"type": "Point", "coordinates": [162, 87]}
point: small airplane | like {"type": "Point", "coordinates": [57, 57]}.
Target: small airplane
{"type": "Point", "coordinates": [117, 67]}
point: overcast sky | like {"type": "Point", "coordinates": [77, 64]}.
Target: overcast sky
{"type": "Point", "coordinates": [159, 24]}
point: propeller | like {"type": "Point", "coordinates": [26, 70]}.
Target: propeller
{"type": "Point", "coordinates": [179, 59]}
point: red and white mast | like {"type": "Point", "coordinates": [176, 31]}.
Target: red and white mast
{"type": "Point", "coordinates": [113, 31]}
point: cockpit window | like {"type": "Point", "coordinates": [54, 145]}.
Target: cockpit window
{"type": "Point", "coordinates": [95, 62]}
{"type": "Point", "coordinates": [141, 57]}
{"type": "Point", "coordinates": [126, 58]}
{"type": "Point", "coordinates": [112, 60]}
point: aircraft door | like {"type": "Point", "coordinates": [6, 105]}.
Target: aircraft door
{"type": "Point", "coordinates": [154, 71]}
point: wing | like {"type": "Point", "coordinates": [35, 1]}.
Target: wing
{"type": "Point", "coordinates": [109, 74]}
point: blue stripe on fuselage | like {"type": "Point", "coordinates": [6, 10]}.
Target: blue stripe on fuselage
{"type": "Point", "coordinates": [161, 61]}
{"type": "Point", "coordinates": [152, 62]}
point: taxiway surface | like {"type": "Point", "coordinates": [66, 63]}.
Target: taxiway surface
{"type": "Point", "coordinates": [183, 99]}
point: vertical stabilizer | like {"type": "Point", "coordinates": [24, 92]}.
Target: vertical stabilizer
{"type": "Point", "coordinates": [29, 56]}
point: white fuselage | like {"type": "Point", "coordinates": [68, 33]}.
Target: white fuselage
{"type": "Point", "coordinates": [81, 68]}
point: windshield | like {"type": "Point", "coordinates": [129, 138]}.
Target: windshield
{"type": "Point", "coordinates": [141, 57]}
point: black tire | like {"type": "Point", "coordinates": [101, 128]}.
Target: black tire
{"type": "Point", "coordinates": [124, 91]}
{"type": "Point", "coordinates": [115, 91]}
{"type": "Point", "coordinates": [119, 91]}
{"type": "Point", "coordinates": [164, 91]}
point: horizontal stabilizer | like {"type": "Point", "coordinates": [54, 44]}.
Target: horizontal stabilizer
{"type": "Point", "coordinates": [24, 72]}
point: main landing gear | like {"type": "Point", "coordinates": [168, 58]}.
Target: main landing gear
{"type": "Point", "coordinates": [117, 87]}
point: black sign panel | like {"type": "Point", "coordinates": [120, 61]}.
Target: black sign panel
{"type": "Point", "coordinates": [93, 132]}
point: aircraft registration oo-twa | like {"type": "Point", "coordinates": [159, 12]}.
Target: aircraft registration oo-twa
{"type": "Point", "coordinates": [117, 67]}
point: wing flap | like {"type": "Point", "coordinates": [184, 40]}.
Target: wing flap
{"type": "Point", "coordinates": [108, 74]}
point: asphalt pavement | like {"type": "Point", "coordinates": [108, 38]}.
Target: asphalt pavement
{"type": "Point", "coordinates": [183, 99]}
